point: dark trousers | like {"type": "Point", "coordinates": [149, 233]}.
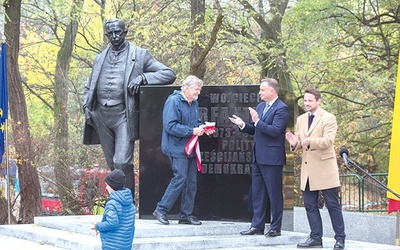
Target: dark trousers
{"type": "Point", "coordinates": [184, 182]}
{"type": "Point", "coordinates": [314, 216]}
{"type": "Point", "coordinates": [267, 183]}
{"type": "Point", "coordinates": [112, 127]}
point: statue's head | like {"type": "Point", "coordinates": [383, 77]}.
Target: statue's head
{"type": "Point", "coordinates": [116, 32]}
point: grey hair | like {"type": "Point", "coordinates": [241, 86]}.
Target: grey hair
{"type": "Point", "coordinates": [191, 81]}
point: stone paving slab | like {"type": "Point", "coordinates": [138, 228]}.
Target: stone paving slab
{"type": "Point", "coordinates": [327, 244]}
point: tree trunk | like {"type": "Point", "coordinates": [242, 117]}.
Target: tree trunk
{"type": "Point", "coordinates": [4, 211]}
{"type": "Point", "coordinates": [272, 65]}
{"type": "Point", "coordinates": [28, 176]}
{"type": "Point", "coordinates": [61, 91]}
{"type": "Point", "coordinates": [199, 53]}
{"type": "Point", "coordinates": [198, 10]}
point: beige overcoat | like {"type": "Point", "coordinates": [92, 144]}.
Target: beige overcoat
{"type": "Point", "coordinates": [319, 163]}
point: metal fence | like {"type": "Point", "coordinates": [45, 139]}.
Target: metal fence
{"type": "Point", "coordinates": [363, 193]}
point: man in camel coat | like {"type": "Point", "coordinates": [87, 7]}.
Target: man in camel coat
{"type": "Point", "coordinates": [315, 136]}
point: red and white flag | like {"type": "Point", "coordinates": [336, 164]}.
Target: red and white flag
{"type": "Point", "coordinates": [193, 144]}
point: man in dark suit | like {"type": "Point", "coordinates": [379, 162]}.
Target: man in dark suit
{"type": "Point", "coordinates": [111, 98]}
{"type": "Point", "coordinates": [269, 121]}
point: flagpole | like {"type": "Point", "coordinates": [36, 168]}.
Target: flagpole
{"type": "Point", "coordinates": [8, 175]}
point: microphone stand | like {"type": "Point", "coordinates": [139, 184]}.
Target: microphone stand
{"type": "Point", "coordinates": [387, 189]}
{"type": "Point", "coordinates": [373, 178]}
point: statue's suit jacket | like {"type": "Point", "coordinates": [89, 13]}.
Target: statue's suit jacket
{"type": "Point", "coordinates": [319, 163]}
{"type": "Point", "coordinates": [139, 62]}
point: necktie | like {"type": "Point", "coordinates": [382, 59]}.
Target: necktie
{"type": "Point", "coordinates": [310, 120]}
{"type": "Point", "coordinates": [265, 109]}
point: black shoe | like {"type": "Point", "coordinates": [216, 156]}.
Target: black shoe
{"type": "Point", "coordinates": [190, 221]}
{"type": "Point", "coordinates": [161, 217]}
{"type": "Point", "coordinates": [252, 231]}
{"type": "Point", "coordinates": [339, 245]}
{"type": "Point", "coordinates": [310, 243]}
{"type": "Point", "coordinates": [273, 233]}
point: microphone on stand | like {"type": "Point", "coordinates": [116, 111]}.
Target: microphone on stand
{"type": "Point", "coordinates": [344, 153]}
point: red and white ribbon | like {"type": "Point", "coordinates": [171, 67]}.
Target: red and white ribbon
{"type": "Point", "coordinates": [193, 143]}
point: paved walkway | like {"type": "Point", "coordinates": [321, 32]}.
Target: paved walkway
{"type": "Point", "coordinates": [9, 243]}
{"type": "Point", "coordinates": [151, 235]}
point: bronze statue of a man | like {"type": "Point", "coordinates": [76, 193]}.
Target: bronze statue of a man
{"type": "Point", "coordinates": [111, 98]}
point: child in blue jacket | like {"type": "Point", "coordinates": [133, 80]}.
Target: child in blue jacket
{"type": "Point", "coordinates": [117, 226]}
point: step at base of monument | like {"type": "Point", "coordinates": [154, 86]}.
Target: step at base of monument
{"type": "Point", "coordinates": [213, 242]}
{"type": "Point", "coordinates": [73, 232]}
{"type": "Point", "coordinates": [50, 236]}
{"type": "Point", "coordinates": [72, 240]}
{"type": "Point", "coordinates": [145, 228]}
{"type": "Point", "coordinates": [11, 243]}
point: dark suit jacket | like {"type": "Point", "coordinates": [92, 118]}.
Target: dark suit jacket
{"type": "Point", "coordinates": [269, 134]}
{"type": "Point", "coordinates": [139, 62]}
